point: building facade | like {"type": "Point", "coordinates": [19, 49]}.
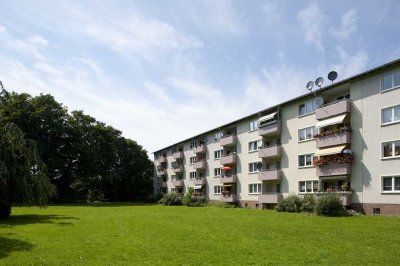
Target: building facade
{"type": "Point", "coordinates": [344, 139]}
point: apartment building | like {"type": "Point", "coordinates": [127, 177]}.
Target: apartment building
{"type": "Point", "coordinates": [343, 138]}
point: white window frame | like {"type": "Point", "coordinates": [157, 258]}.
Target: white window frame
{"type": "Point", "coordinates": [313, 131]}
{"type": "Point", "coordinates": [257, 144]}
{"type": "Point", "coordinates": [392, 74]}
{"type": "Point", "coordinates": [305, 160]}
{"type": "Point", "coordinates": [192, 175]}
{"type": "Point", "coordinates": [254, 166]}
{"type": "Point", "coordinates": [192, 144]}
{"type": "Point", "coordinates": [217, 190]}
{"type": "Point", "coordinates": [255, 189]}
{"type": "Point", "coordinates": [313, 107]}
{"type": "Point", "coordinates": [393, 156]}
{"type": "Point", "coordinates": [253, 126]}
{"type": "Point", "coordinates": [217, 172]}
{"type": "Point", "coordinates": [218, 136]}
{"type": "Point", "coordinates": [192, 160]}
{"type": "Point", "coordinates": [217, 153]}
{"type": "Point", "coordinates": [393, 186]}
{"type": "Point", "coordinates": [392, 109]}
{"type": "Point", "coordinates": [312, 182]}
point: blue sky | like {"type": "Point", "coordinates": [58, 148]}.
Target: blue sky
{"type": "Point", "coordinates": [162, 71]}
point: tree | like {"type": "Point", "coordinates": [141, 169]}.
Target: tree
{"type": "Point", "coordinates": [22, 173]}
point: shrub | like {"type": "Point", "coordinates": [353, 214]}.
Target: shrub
{"type": "Point", "coordinates": [153, 198]}
{"type": "Point", "coordinates": [329, 205]}
{"type": "Point", "coordinates": [291, 203]}
{"type": "Point", "coordinates": [308, 203]}
{"type": "Point", "coordinates": [192, 200]}
{"type": "Point", "coordinates": [171, 199]}
{"type": "Point", "coordinates": [5, 209]}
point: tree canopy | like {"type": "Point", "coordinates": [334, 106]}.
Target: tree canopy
{"type": "Point", "coordinates": [49, 153]}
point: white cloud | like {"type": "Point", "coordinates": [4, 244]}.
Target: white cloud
{"type": "Point", "coordinates": [224, 17]}
{"type": "Point", "coordinates": [350, 64]}
{"type": "Point", "coordinates": [39, 40]}
{"type": "Point", "coordinates": [311, 20]}
{"type": "Point", "coordinates": [348, 25]}
{"type": "Point", "coordinates": [2, 29]}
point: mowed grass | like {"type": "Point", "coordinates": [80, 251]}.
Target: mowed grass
{"type": "Point", "coordinates": [128, 234]}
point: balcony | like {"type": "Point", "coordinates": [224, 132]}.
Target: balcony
{"type": "Point", "coordinates": [228, 198]}
{"type": "Point", "coordinates": [228, 179]}
{"type": "Point", "coordinates": [333, 139]}
{"type": "Point", "coordinates": [270, 130]}
{"type": "Point", "coordinates": [345, 196]}
{"type": "Point", "coordinates": [178, 155]}
{"type": "Point", "coordinates": [178, 183]}
{"type": "Point", "coordinates": [270, 175]}
{"type": "Point", "coordinates": [228, 159]}
{"type": "Point", "coordinates": [334, 169]}
{"type": "Point", "coordinates": [199, 182]}
{"type": "Point", "coordinates": [332, 109]}
{"type": "Point", "coordinates": [270, 152]}
{"type": "Point", "coordinates": [271, 198]}
{"type": "Point", "coordinates": [200, 164]}
{"type": "Point", "coordinates": [161, 160]}
{"type": "Point", "coordinates": [228, 140]}
{"type": "Point", "coordinates": [199, 149]}
{"type": "Point", "coordinates": [161, 171]}
{"type": "Point", "coordinates": [177, 169]}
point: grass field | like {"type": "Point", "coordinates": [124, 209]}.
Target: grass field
{"type": "Point", "coordinates": [127, 234]}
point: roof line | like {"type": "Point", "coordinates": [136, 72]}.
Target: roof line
{"type": "Point", "coordinates": [289, 101]}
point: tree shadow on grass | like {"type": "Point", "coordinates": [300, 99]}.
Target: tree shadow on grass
{"type": "Point", "coordinates": [9, 245]}
{"type": "Point", "coordinates": [25, 219]}
{"type": "Point", "coordinates": [107, 204]}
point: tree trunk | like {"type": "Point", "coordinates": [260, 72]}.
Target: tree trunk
{"type": "Point", "coordinates": [5, 210]}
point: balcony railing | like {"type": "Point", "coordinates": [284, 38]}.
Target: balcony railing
{"type": "Point", "coordinates": [228, 179]}
{"type": "Point", "coordinates": [333, 108]}
{"type": "Point", "coordinates": [271, 198]}
{"type": "Point", "coordinates": [228, 198]}
{"type": "Point", "coordinates": [333, 139]}
{"type": "Point", "coordinates": [161, 159]}
{"type": "Point", "coordinates": [199, 149]}
{"type": "Point", "coordinates": [178, 155]}
{"type": "Point", "coordinates": [334, 169]}
{"type": "Point", "coordinates": [228, 159]}
{"type": "Point", "coordinates": [161, 171]}
{"type": "Point", "coordinates": [177, 169]}
{"type": "Point", "coordinates": [228, 140]}
{"type": "Point", "coordinates": [199, 181]}
{"type": "Point", "coordinates": [270, 152]}
{"type": "Point", "coordinates": [345, 196]}
{"type": "Point", "coordinates": [200, 164]}
{"type": "Point", "coordinates": [270, 175]}
{"type": "Point", "coordinates": [178, 183]}
{"type": "Point", "coordinates": [271, 129]}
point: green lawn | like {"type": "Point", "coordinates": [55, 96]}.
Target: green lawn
{"type": "Point", "coordinates": [124, 234]}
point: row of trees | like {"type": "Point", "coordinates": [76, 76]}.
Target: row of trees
{"type": "Point", "coordinates": [48, 153]}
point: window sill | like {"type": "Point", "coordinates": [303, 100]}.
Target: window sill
{"type": "Point", "coordinates": [390, 158]}
{"type": "Point", "coordinates": [254, 194]}
{"type": "Point", "coordinates": [393, 88]}
{"type": "Point", "coordinates": [253, 151]}
{"type": "Point", "coordinates": [218, 176]}
{"type": "Point", "coordinates": [390, 123]}
{"type": "Point", "coordinates": [390, 192]}
{"type": "Point", "coordinates": [250, 131]}
{"type": "Point", "coordinates": [307, 140]}
{"type": "Point", "coordinates": [253, 172]}
{"type": "Point", "coordinates": [215, 159]}
{"type": "Point", "coordinates": [302, 167]}
{"type": "Point", "coordinates": [217, 193]}
{"type": "Point", "coordinates": [300, 116]}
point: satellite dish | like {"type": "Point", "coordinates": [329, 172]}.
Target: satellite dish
{"type": "Point", "coordinates": [319, 81]}
{"type": "Point", "coordinates": [318, 101]}
{"type": "Point", "coordinates": [309, 85]}
{"type": "Point", "coordinates": [332, 76]}
{"type": "Point", "coordinates": [259, 166]}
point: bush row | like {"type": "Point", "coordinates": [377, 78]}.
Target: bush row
{"type": "Point", "coordinates": [189, 199]}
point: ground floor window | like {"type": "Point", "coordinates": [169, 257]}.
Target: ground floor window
{"type": "Point", "coordinates": [254, 188]}
{"type": "Point", "coordinates": [308, 186]}
{"type": "Point", "coordinates": [217, 190]}
{"type": "Point", "coordinates": [391, 184]}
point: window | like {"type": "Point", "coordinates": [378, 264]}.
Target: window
{"type": "Point", "coordinates": [253, 167]}
{"type": "Point", "coordinates": [254, 188]}
{"type": "Point", "coordinates": [217, 172]}
{"type": "Point", "coordinates": [218, 136]}
{"type": "Point", "coordinates": [173, 177]}
{"type": "Point", "coordinates": [255, 145]}
{"type": "Point", "coordinates": [391, 149]}
{"type": "Point", "coordinates": [306, 160]}
{"type": "Point", "coordinates": [193, 175]}
{"type": "Point", "coordinates": [192, 159]}
{"type": "Point", "coordinates": [173, 190]}
{"type": "Point", "coordinates": [217, 154]}
{"type": "Point", "coordinates": [217, 190]}
{"type": "Point", "coordinates": [307, 107]}
{"type": "Point", "coordinates": [192, 144]}
{"type": "Point", "coordinates": [391, 115]}
{"type": "Point", "coordinates": [253, 125]}
{"type": "Point", "coordinates": [306, 133]}
{"type": "Point", "coordinates": [390, 81]}
{"type": "Point", "coordinates": [391, 184]}
{"type": "Point", "coordinates": [308, 186]}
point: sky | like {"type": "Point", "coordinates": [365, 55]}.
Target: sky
{"type": "Point", "coordinates": [163, 71]}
